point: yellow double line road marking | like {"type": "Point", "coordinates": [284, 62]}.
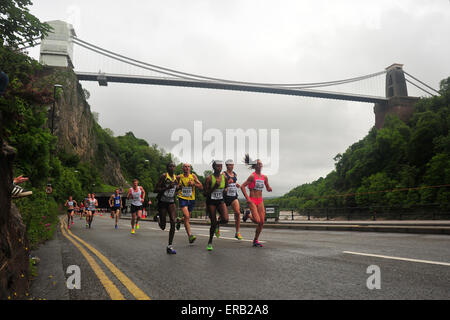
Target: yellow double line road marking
{"type": "Point", "coordinates": [112, 290]}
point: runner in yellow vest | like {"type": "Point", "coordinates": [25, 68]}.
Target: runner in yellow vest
{"type": "Point", "coordinates": [188, 183]}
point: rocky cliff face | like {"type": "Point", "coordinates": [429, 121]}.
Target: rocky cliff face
{"type": "Point", "coordinates": [13, 243]}
{"type": "Point", "coordinates": [74, 125]}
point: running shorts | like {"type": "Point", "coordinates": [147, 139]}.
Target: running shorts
{"type": "Point", "coordinates": [135, 209]}
{"type": "Point", "coordinates": [187, 203]}
{"type": "Point", "coordinates": [229, 200]}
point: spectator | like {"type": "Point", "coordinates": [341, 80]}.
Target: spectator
{"type": "Point", "coordinates": [18, 192]}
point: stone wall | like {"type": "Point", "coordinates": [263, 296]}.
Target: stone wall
{"type": "Point", "coordinates": [403, 107]}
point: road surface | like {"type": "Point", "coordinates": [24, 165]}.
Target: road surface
{"type": "Point", "coordinates": [292, 265]}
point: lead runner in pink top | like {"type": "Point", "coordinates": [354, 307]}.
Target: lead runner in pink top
{"type": "Point", "coordinates": [255, 183]}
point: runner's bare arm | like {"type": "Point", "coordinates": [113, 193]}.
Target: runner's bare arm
{"type": "Point", "coordinates": [142, 195]}
{"type": "Point", "coordinates": [198, 184]}
{"type": "Point", "coordinates": [266, 182]}
{"type": "Point", "coordinates": [159, 186]}
{"type": "Point", "coordinates": [244, 185]}
{"type": "Point", "coordinates": [208, 186]}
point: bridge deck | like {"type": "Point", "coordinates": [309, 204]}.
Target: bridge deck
{"type": "Point", "coordinates": [105, 78]}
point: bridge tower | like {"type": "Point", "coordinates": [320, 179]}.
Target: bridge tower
{"type": "Point", "coordinates": [399, 103]}
{"type": "Point", "coordinates": [57, 47]}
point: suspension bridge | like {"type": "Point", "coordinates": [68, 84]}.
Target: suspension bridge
{"type": "Point", "coordinates": [58, 47]}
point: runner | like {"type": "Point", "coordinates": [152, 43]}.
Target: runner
{"type": "Point", "coordinates": [231, 196]}
{"type": "Point", "coordinates": [166, 188]}
{"type": "Point", "coordinates": [95, 204]}
{"type": "Point", "coordinates": [137, 196]}
{"type": "Point", "coordinates": [255, 183]}
{"type": "Point", "coordinates": [90, 205]}
{"type": "Point", "coordinates": [188, 183]}
{"type": "Point", "coordinates": [70, 204]}
{"type": "Point", "coordinates": [215, 185]}
{"type": "Point", "coordinates": [115, 203]}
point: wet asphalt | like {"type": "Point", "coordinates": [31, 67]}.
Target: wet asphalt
{"type": "Point", "coordinates": [292, 265]}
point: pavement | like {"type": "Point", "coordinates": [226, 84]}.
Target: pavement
{"type": "Point", "coordinates": [50, 283]}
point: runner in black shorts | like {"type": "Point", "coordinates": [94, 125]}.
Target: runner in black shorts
{"type": "Point", "coordinates": [231, 196]}
{"type": "Point", "coordinates": [115, 204]}
{"type": "Point", "coordinates": [166, 189]}
{"type": "Point", "coordinates": [137, 195]}
{"type": "Point", "coordinates": [215, 185]}
{"type": "Point", "coordinates": [70, 204]}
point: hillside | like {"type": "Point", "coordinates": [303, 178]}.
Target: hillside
{"type": "Point", "coordinates": [402, 164]}
{"type": "Point", "coordinates": [79, 157]}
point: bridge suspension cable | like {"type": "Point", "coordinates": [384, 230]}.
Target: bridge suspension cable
{"type": "Point", "coordinates": [421, 83]}
{"type": "Point", "coordinates": [419, 87]}
{"type": "Point", "coordinates": [190, 76]}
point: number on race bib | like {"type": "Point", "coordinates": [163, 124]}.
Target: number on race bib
{"type": "Point", "coordinates": [187, 192]}
{"type": "Point", "coordinates": [217, 194]}
{"type": "Point", "coordinates": [232, 190]}
{"type": "Point", "coordinates": [259, 185]}
{"type": "Point", "coordinates": [169, 193]}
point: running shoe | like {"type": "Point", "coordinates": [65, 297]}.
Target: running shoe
{"type": "Point", "coordinates": [256, 243]}
{"type": "Point", "coordinates": [72, 222]}
{"type": "Point", "coordinates": [132, 231]}
{"type": "Point", "coordinates": [246, 214]}
{"type": "Point", "coordinates": [209, 247]}
{"type": "Point", "coordinates": [170, 250]}
{"type": "Point", "coordinates": [192, 238]}
{"type": "Point", "coordinates": [238, 236]}
{"type": "Point", "coordinates": [217, 232]}
{"type": "Point", "coordinates": [137, 226]}
{"type": "Point", "coordinates": [68, 227]}
{"type": "Point", "coordinates": [117, 227]}
{"type": "Point", "coordinates": [178, 224]}
{"type": "Point", "coordinates": [87, 225]}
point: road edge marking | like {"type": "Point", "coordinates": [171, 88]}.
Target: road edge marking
{"type": "Point", "coordinates": [398, 258]}
{"type": "Point", "coordinates": [109, 286]}
{"type": "Point", "coordinates": [131, 287]}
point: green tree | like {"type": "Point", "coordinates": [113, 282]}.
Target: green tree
{"type": "Point", "coordinates": [18, 25]}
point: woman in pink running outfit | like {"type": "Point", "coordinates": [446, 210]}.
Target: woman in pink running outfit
{"type": "Point", "coordinates": [255, 183]}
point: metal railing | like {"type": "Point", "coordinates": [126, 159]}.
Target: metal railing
{"type": "Point", "coordinates": [415, 212]}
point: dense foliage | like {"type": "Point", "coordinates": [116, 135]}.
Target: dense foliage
{"type": "Point", "coordinates": [411, 158]}
{"type": "Point", "coordinates": [18, 25]}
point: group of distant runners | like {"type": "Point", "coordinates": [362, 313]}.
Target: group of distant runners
{"type": "Point", "coordinates": [87, 209]}
{"type": "Point", "coordinates": [220, 190]}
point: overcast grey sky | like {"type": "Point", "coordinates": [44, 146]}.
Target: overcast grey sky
{"type": "Point", "coordinates": [260, 41]}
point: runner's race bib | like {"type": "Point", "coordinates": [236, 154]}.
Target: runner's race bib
{"type": "Point", "coordinates": [170, 193]}
{"type": "Point", "coordinates": [117, 202]}
{"type": "Point", "coordinates": [217, 194]}
{"type": "Point", "coordinates": [232, 190]}
{"type": "Point", "coordinates": [259, 185]}
{"type": "Point", "coordinates": [187, 192]}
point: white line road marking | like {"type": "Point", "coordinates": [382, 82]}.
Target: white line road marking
{"type": "Point", "coordinates": [397, 258]}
